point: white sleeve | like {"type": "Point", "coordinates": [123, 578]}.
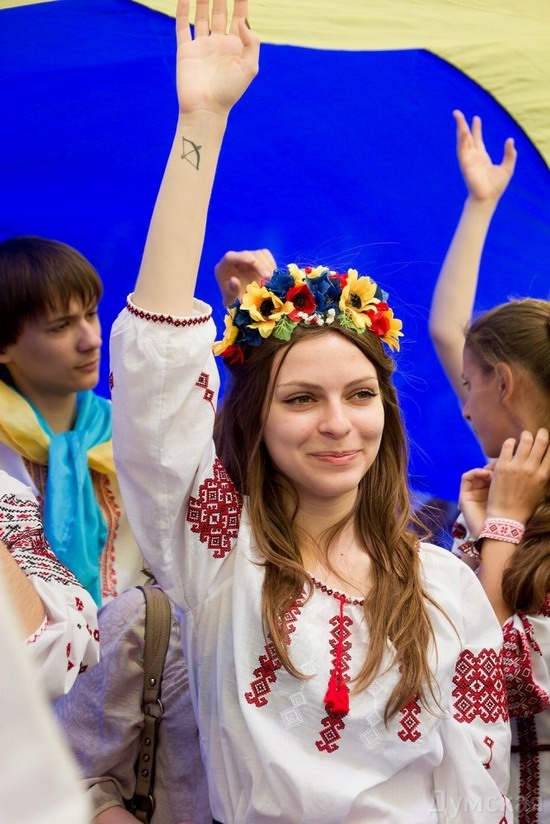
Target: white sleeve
{"type": "Point", "coordinates": [67, 643]}
{"type": "Point", "coordinates": [183, 509]}
{"type": "Point", "coordinates": [526, 657]}
{"type": "Point", "coordinates": [476, 730]}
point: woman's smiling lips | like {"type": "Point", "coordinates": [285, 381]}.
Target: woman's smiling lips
{"type": "Point", "coordinates": [336, 458]}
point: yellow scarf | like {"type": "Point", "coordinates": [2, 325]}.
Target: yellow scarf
{"type": "Point", "coordinates": [20, 430]}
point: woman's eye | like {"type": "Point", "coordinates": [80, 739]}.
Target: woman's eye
{"type": "Point", "coordinates": [299, 400]}
{"type": "Point", "coordinates": [365, 394]}
{"type": "Point", "coordinates": [58, 328]}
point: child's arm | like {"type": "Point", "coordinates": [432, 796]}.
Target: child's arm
{"type": "Point", "coordinates": [455, 290]}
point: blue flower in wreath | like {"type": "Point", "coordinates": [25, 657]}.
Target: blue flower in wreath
{"type": "Point", "coordinates": [280, 282]}
{"type": "Point", "coordinates": [326, 291]}
{"type": "Point", "coordinates": [246, 335]}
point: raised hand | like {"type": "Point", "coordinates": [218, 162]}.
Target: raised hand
{"type": "Point", "coordinates": [216, 66]}
{"type": "Point", "coordinates": [484, 179]}
{"type": "Point", "coordinates": [474, 496]}
{"type": "Point", "coordinates": [521, 477]}
{"type": "Point", "coordinates": [237, 269]}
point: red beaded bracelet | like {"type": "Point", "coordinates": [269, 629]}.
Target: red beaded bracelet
{"type": "Point", "coordinates": [502, 529]}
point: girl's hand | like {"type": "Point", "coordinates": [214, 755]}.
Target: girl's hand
{"type": "Point", "coordinates": [484, 179]}
{"type": "Point", "coordinates": [215, 68]}
{"type": "Point", "coordinates": [237, 269]}
{"type": "Point", "coordinates": [521, 476]}
{"type": "Point", "coordinates": [474, 494]}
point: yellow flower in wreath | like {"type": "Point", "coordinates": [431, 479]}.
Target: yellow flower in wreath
{"type": "Point", "coordinates": [357, 299]}
{"type": "Point", "coordinates": [264, 307]}
{"type": "Point", "coordinates": [229, 335]}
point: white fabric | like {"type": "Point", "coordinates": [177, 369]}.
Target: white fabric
{"type": "Point", "coordinates": [38, 781]}
{"type": "Point", "coordinates": [102, 719]}
{"type": "Point", "coordinates": [260, 728]}
{"type": "Point", "coordinates": [120, 562]}
{"type": "Point", "coordinates": [68, 640]}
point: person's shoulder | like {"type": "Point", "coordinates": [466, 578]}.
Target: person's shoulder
{"type": "Point", "coordinates": [11, 486]}
{"type": "Point", "coordinates": [431, 554]}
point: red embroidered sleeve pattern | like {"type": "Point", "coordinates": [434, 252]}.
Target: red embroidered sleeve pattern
{"type": "Point", "coordinates": [480, 690]}
{"type": "Point", "coordinates": [215, 513]}
{"type": "Point", "coordinates": [208, 394]}
{"type": "Point", "coordinates": [529, 771]}
{"type": "Point", "coordinates": [266, 673]}
{"type": "Point", "coordinates": [21, 530]}
{"type": "Point", "coordinates": [525, 697]}
{"type": "Point", "coordinates": [410, 721]}
{"type": "Point", "coordinates": [169, 319]}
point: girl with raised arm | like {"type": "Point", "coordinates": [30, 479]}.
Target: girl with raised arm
{"type": "Point", "coordinates": [499, 365]}
{"type": "Point", "coordinates": [335, 675]}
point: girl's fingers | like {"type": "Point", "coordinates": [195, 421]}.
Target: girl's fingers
{"type": "Point", "coordinates": [219, 17]}
{"type": "Point", "coordinates": [240, 12]}
{"type": "Point", "coordinates": [477, 132]}
{"type": "Point", "coordinates": [510, 155]}
{"type": "Point", "coordinates": [202, 19]}
{"type": "Point", "coordinates": [251, 44]}
{"type": "Point", "coordinates": [506, 451]}
{"type": "Point", "coordinates": [182, 21]}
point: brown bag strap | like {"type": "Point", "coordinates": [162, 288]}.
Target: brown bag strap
{"type": "Point", "coordinates": [158, 620]}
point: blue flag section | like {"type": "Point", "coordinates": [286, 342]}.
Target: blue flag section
{"type": "Point", "coordinates": [341, 158]}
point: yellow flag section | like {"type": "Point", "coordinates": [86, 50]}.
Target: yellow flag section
{"type": "Point", "coordinates": [10, 4]}
{"type": "Point", "coordinates": [503, 45]}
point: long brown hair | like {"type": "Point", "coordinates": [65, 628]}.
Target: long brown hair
{"type": "Point", "coordinates": [518, 334]}
{"type": "Point", "coordinates": [396, 604]}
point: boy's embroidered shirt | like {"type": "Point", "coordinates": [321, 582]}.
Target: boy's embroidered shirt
{"type": "Point", "coordinates": [67, 642]}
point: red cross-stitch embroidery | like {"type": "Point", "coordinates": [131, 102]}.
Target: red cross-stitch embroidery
{"type": "Point", "coordinates": [525, 697]}
{"type": "Point", "coordinates": [480, 690]}
{"type": "Point", "coordinates": [340, 645]}
{"type": "Point", "coordinates": [266, 673]}
{"type": "Point", "coordinates": [153, 316]}
{"type": "Point", "coordinates": [529, 771]}
{"type": "Point", "coordinates": [333, 726]}
{"type": "Point", "coordinates": [488, 741]}
{"type": "Point", "coordinates": [410, 721]}
{"type": "Point", "coordinates": [208, 394]}
{"type": "Point", "coordinates": [215, 513]}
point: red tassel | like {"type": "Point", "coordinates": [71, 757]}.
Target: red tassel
{"type": "Point", "coordinates": [337, 697]}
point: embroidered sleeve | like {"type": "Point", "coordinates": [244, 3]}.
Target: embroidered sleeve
{"type": "Point", "coordinates": [526, 657]}
{"type": "Point", "coordinates": [67, 643]}
{"type": "Point", "coordinates": [464, 545]}
{"type": "Point", "coordinates": [478, 697]}
{"type": "Point", "coordinates": [181, 504]}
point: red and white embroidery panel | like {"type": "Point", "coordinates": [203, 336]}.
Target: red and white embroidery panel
{"type": "Point", "coordinates": [480, 690]}
{"type": "Point", "coordinates": [525, 696]}
{"type": "Point", "coordinates": [215, 513]}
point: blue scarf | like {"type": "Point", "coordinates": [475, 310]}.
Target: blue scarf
{"type": "Point", "coordinates": [73, 520]}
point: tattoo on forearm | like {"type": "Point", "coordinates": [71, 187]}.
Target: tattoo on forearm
{"type": "Point", "coordinates": [191, 152]}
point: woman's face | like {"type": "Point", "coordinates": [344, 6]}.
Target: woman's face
{"type": "Point", "coordinates": [484, 408]}
{"type": "Point", "coordinates": [324, 427]}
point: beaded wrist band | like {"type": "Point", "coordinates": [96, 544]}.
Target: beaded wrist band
{"type": "Point", "coordinates": [502, 529]}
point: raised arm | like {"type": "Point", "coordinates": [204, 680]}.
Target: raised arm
{"type": "Point", "coordinates": [455, 290]}
{"type": "Point", "coordinates": [213, 71]}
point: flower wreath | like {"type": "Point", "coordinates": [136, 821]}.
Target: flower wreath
{"type": "Point", "coordinates": [313, 296]}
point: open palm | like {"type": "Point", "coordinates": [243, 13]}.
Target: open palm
{"type": "Point", "coordinates": [214, 68]}
{"type": "Point", "coordinates": [484, 179]}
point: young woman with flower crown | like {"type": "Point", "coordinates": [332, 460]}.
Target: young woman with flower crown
{"type": "Point", "coordinates": [336, 676]}
{"type": "Point", "coordinates": [499, 365]}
